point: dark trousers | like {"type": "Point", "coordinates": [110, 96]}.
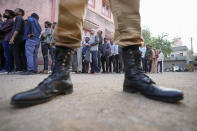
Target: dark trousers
{"type": "Point", "coordinates": [85, 65]}
{"type": "Point", "coordinates": [2, 58]}
{"type": "Point", "coordinates": [19, 56]}
{"type": "Point", "coordinates": [117, 63]}
{"type": "Point", "coordinates": [74, 62]}
{"type": "Point", "coordinates": [112, 63]}
{"type": "Point", "coordinates": [148, 65]}
{"type": "Point", "coordinates": [159, 65]}
{"type": "Point", "coordinates": [52, 53]}
{"type": "Point", "coordinates": [121, 63]}
{"type": "Point", "coordinates": [8, 54]}
{"type": "Point", "coordinates": [143, 64]}
{"type": "Point", "coordinates": [46, 49]}
{"type": "Point", "coordinates": [99, 61]}
{"type": "Point", "coordinates": [94, 64]}
{"type": "Point", "coordinates": [105, 63]}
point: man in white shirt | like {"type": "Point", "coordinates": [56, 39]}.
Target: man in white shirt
{"type": "Point", "coordinates": [143, 51]}
{"type": "Point", "coordinates": [160, 62]}
{"type": "Point", "coordinates": [93, 43]}
{"type": "Point", "coordinates": [112, 60]}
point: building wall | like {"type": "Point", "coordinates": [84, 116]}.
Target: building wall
{"type": "Point", "coordinates": [178, 57]}
{"type": "Point", "coordinates": [42, 7]}
{"type": "Point", "coordinates": [168, 64]}
{"type": "Point", "coordinates": [105, 23]}
{"type": "Point", "coordinates": [48, 11]}
{"type": "Point", "coordinates": [98, 10]}
{"type": "Point", "coordinates": [177, 53]}
{"type": "Point", "coordinates": [95, 19]}
{"type": "Point", "coordinates": [177, 42]}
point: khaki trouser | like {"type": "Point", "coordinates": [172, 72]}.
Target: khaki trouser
{"type": "Point", "coordinates": [126, 15]}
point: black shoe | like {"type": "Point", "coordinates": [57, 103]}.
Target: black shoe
{"type": "Point", "coordinates": [2, 72]}
{"type": "Point", "coordinates": [28, 73]}
{"type": "Point", "coordinates": [59, 82]}
{"type": "Point", "coordinates": [137, 81]}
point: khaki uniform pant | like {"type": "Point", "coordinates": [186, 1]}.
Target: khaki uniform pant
{"type": "Point", "coordinates": [126, 15]}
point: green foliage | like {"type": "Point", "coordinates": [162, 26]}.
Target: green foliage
{"type": "Point", "coordinates": [190, 52]}
{"type": "Point", "coordinates": [190, 67]}
{"type": "Point", "coordinates": [146, 34]}
{"type": "Point", "coordinates": [160, 42]}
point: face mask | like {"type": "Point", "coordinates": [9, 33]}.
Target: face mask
{"type": "Point", "coordinates": [15, 13]}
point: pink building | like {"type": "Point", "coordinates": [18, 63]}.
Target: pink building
{"type": "Point", "coordinates": [98, 15]}
{"type": "Point", "coordinates": [44, 8]}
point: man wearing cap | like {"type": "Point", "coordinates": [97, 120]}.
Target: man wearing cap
{"type": "Point", "coordinates": [67, 37]}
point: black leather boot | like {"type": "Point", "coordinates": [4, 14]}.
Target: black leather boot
{"type": "Point", "coordinates": [137, 81]}
{"type": "Point", "coordinates": [59, 82]}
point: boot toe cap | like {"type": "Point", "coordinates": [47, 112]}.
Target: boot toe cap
{"type": "Point", "coordinates": [25, 98]}
{"type": "Point", "coordinates": [16, 99]}
{"type": "Point", "coordinates": [167, 94]}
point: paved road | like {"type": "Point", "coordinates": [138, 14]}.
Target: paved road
{"type": "Point", "coordinates": [98, 104]}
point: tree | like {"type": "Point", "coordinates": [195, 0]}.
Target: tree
{"type": "Point", "coordinates": [160, 42]}
{"type": "Point", "coordinates": [190, 53]}
{"type": "Point", "coordinates": [146, 34]}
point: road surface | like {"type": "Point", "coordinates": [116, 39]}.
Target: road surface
{"type": "Point", "coordinates": [98, 104]}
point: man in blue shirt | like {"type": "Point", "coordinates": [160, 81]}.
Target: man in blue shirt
{"type": "Point", "coordinates": [86, 56]}
{"type": "Point", "coordinates": [32, 37]}
{"type": "Point", "coordinates": [1, 48]}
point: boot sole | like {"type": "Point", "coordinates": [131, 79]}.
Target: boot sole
{"type": "Point", "coordinates": [32, 103]}
{"type": "Point", "coordinates": [169, 100]}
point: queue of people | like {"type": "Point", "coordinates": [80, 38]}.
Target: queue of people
{"type": "Point", "coordinates": [152, 59]}
{"type": "Point", "coordinates": [99, 55]}
{"type": "Point", "coordinates": [20, 41]}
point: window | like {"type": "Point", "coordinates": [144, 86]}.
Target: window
{"type": "Point", "coordinates": [86, 33]}
{"type": "Point", "coordinates": [181, 54]}
{"type": "Point", "coordinates": [106, 8]}
{"type": "Point", "coordinates": [172, 55]}
{"type": "Point", "coordinates": [91, 3]}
